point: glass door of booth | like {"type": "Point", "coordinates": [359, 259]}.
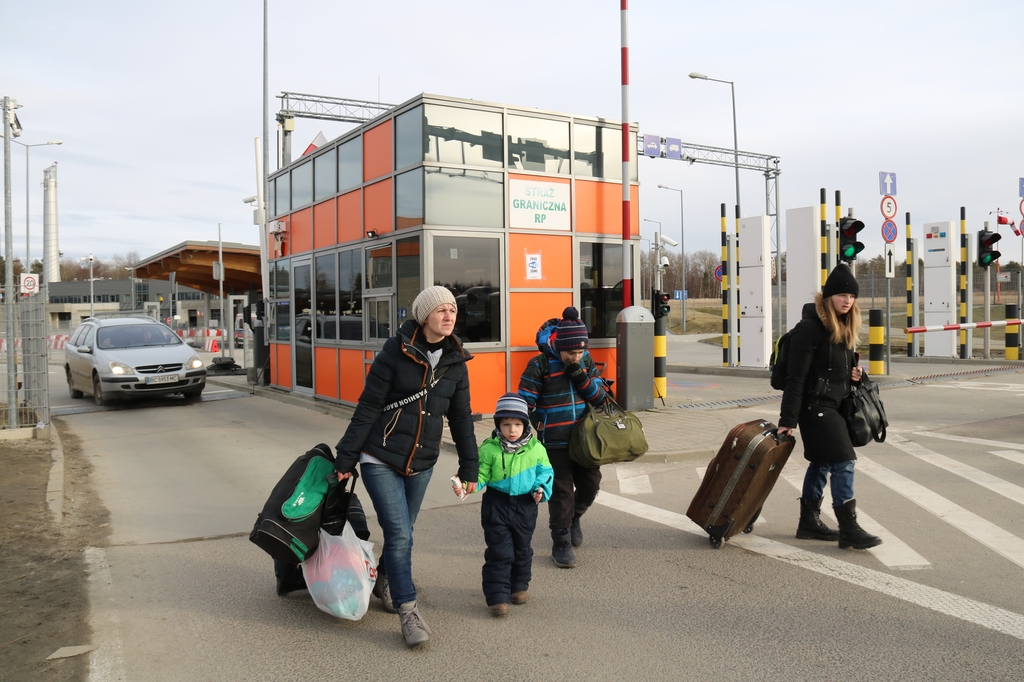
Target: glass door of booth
{"type": "Point", "coordinates": [302, 324]}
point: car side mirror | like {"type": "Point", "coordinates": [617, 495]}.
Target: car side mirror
{"type": "Point", "coordinates": [85, 349]}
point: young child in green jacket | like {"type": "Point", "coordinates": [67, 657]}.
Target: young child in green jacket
{"type": "Point", "coordinates": [515, 470]}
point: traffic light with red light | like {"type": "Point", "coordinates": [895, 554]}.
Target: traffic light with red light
{"type": "Point", "coordinates": [659, 304]}
{"type": "Point", "coordinates": [849, 247]}
{"type": "Point", "coordinates": [987, 254]}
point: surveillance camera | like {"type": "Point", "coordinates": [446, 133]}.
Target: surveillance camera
{"type": "Point", "coordinates": [669, 241]}
{"type": "Point", "coordinates": [249, 200]}
{"type": "Point", "coordinates": [664, 261]}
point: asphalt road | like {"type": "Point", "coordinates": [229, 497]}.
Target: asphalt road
{"type": "Point", "coordinates": [180, 593]}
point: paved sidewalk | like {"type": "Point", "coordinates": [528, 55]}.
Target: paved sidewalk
{"type": "Point", "coordinates": [704, 399]}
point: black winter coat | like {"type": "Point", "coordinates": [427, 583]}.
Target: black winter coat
{"type": "Point", "coordinates": [818, 379]}
{"type": "Point", "coordinates": [408, 438]}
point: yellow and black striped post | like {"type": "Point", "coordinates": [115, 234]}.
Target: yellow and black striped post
{"type": "Point", "coordinates": [824, 238]}
{"type": "Point", "coordinates": [876, 337]}
{"type": "Point", "coordinates": [838, 237]}
{"type": "Point", "coordinates": [911, 271]}
{"type": "Point", "coordinates": [725, 291]}
{"type": "Point", "coordinates": [660, 354]}
{"type": "Point", "coordinates": [1012, 333]}
{"type": "Point", "coordinates": [962, 283]}
{"type": "Point", "coordinates": [736, 303]}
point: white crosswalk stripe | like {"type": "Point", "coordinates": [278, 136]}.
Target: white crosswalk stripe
{"type": "Point", "coordinates": [893, 552]}
{"type": "Point", "coordinates": [986, 480]}
{"type": "Point", "coordinates": [633, 479]}
{"type": "Point", "coordinates": [969, 610]}
{"type": "Point", "coordinates": [1011, 455]}
{"type": "Point", "coordinates": [968, 439]}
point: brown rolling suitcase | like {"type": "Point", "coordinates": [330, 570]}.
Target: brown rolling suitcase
{"type": "Point", "coordinates": [739, 479]}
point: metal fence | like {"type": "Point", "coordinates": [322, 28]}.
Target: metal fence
{"type": "Point", "coordinates": [27, 404]}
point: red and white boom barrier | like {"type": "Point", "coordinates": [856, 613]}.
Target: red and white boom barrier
{"type": "Point", "coordinates": [957, 327]}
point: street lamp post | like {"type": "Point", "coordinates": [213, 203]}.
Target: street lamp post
{"type": "Point", "coordinates": [682, 247]}
{"type": "Point", "coordinates": [131, 269]}
{"type": "Point", "coordinates": [28, 243]}
{"type": "Point", "coordinates": [92, 297]}
{"type": "Point", "coordinates": [735, 140]}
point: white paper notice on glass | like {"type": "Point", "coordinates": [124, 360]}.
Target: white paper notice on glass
{"type": "Point", "coordinates": [533, 266]}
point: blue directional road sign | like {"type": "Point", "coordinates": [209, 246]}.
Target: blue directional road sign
{"type": "Point", "coordinates": [887, 183]}
{"type": "Point", "coordinates": [1022, 188]}
{"type": "Point", "coordinates": [679, 295]}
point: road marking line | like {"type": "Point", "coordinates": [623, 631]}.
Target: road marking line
{"type": "Point", "coordinates": [223, 390]}
{"type": "Point", "coordinates": [1011, 455]}
{"type": "Point", "coordinates": [893, 552]}
{"type": "Point", "coordinates": [760, 518]}
{"type": "Point", "coordinates": [982, 478]}
{"type": "Point", "coordinates": [954, 605]}
{"type": "Point", "coordinates": [966, 439]}
{"type": "Point", "coordinates": [106, 662]}
{"type": "Point", "coordinates": [633, 479]}
{"type": "Point", "coordinates": [992, 536]}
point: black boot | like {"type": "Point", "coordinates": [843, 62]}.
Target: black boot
{"type": "Point", "coordinates": [850, 532]}
{"type": "Point", "coordinates": [575, 532]}
{"type": "Point", "coordinates": [811, 526]}
{"type": "Point", "coordinates": [561, 549]}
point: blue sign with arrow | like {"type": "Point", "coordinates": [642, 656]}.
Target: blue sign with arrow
{"type": "Point", "coordinates": [887, 183]}
{"type": "Point", "coordinates": [1022, 188]}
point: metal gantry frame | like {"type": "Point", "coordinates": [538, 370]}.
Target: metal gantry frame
{"type": "Point", "coordinates": [300, 105]}
{"type": "Point", "coordinates": [767, 164]}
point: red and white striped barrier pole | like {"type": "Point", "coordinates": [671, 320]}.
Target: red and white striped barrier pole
{"type": "Point", "coordinates": [627, 155]}
{"type": "Point", "coordinates": [956, 327]}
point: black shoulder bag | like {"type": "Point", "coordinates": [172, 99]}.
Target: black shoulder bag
{"type": "Point", "coordinates": [865, 414]}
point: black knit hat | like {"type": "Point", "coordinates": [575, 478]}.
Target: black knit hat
{"type": "Point", "coordinates": [840, 281]}
{"type": "Point", "coordinates": [571, 333]}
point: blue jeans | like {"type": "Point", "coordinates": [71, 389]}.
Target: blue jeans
{"type": "Point", "coordinates": [842, 481]}
{"type": "Point", "coordinates": [396, 500]}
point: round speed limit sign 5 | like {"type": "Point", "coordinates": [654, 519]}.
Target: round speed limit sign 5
{"type": "Point", "coordinates": [889, 207]}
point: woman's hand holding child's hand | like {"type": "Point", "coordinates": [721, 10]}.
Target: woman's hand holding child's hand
{"type": "Point", "coordinates": [538, 496]}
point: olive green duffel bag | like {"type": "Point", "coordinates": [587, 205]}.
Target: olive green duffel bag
{"type": "Point", "coordinates": [608, 434]}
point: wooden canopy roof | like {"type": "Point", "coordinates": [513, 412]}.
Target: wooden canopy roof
{"type": "Point", "coordinates": [192, 263]}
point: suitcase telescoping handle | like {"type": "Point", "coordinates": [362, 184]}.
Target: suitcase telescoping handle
{"type": "Point", "coordinates": [775, 435]}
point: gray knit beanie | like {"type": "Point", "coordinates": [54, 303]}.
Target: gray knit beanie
{"type": "Point", "coordinates": [428, 299]}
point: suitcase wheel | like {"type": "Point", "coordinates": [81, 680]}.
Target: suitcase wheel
{"type": "Point", "coordinates": [716, 543]}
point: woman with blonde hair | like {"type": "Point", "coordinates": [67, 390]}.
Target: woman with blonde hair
{"type": "Point", "coordinates": [822, 364]}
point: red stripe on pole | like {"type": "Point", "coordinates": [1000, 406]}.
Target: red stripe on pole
{"type": "Point", "coordinates": [956, 327]}
{"type": "Point", "coordinates": [625, 66]}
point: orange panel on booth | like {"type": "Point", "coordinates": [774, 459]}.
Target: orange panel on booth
{"type": "Point", "coordinates": [377, 211]}
{"type": "Point", "coordinates": [350, 216]}
{"type": "Point", "coordinates": [282, 363]}
{"type": "Point", "coordinates": [377, 154]}
{"type": "Point", "coordinates": [599, 208]}
{"type": "Point", "coordinates": [487, 380]}
{"type": "Point", "coordinates": [300, 231]}
{"type": "Point", "coordinates": [350, 366]}
{"type": "Point", "coordinates": [327, 372]}
{"type": "Point", "coordinates": [325, 225]}
{"type": "Point", "coordinates": [538, 261]}
{"type": "Point", "coordinates": [530, 310]}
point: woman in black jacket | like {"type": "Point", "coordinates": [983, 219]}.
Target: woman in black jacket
{"type": "Point", "coordinates": [822, 363]}
{"type": "Point", "coordinates": [417, 380]}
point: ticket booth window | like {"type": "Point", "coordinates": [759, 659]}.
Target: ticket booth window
{"type": "Point", "coordinates": [326, 298]}
{"type": "Point", "coordinates": [282, 195]}
{"type": "Point", "coordinates": [325, 175]}
{"type": "Point", "coordinates": [466, 137]}
{"type": "Point", "coordinates": [302, 185]}
{"type": "Point", "coordinates": [407, 271]}
{"type": "Point", "coordinates": [538, 144]}
{"type": "Point", "coordinates": [597, 152]}
{"type": "Point", "coordinates": [600, 287]}
{"type": "Point", "coordinates": [281, 286]}
{"type": "Point", "coordinates": [409, 138]}
{"type": "Point", "coordinates": [350, 164]}
{"type": "Point", "coordinates": [470, 267]}
{"type": "Point", "coordinates": [409, 199]}
{"type": "Point", "coordinates": [350, 295]}
{"type": "Point", "coordinates": [464, 198]}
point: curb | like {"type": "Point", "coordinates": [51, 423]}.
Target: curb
{"type": "Point", "coordinates": [55, 484]}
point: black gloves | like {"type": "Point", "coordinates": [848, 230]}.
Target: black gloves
{"type": "Point", "coordinates": [576, 374]}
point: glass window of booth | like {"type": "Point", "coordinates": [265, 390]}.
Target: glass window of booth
{"type": "Point", "coordinates": [407, 267]}
{"type": "Point", "coordinates": [302, 185]}
{"type": "Point", "coordinates": [350, 295]}
{"type": "Point", "coordinates": [350, 164]}
{"type": "Point", "coordinates": [538, 144]}
{"type": "Point", "coordinates": [597, 152]}
{"type": "Point", "coordinates": [463, 136]}
{"type": "Point", "coordinates": [600, 287]}
{"type": "Point", "coordinates": [325, 176]}
{"type": "Point", "coordinates": [378, 266]}
{"type": "Point", "coordinates": [470, 267]}
{"type": "Point", "coordinates": [409, 138]}
{"type": "Point", "coordinates": [281, 286]}
{"type": "Point", "coordinates": [283, 194]}
{"type": "Point", "coordinates": [461, 197]}
{"type": "Point", "coordinates": [409, 199]}
{"type": "Point", "coordinates": [326, 298]}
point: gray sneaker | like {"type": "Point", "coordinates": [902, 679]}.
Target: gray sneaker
{"type": "Point", "coordinates": [414, 629]}
{"type": "Point", "coordinates": [382, 591]}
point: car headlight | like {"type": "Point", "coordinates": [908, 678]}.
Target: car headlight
{"type": "Point", "coordinates": [120, 368]}
{"type": "Point", "coordinates": [194, 362]}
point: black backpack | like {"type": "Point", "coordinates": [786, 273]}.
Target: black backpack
{"type": "Point", "coordinates": [288, 528]}
{"type": "Point", "coordinates": [778, 364]}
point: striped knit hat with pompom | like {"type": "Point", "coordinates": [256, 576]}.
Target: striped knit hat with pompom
{"type": "Point", "coordinates": [571, 333]}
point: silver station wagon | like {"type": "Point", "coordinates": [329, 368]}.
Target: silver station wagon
{"type": "Point", "coordinates": [125, 357]}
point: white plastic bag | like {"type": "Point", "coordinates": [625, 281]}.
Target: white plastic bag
{"type": "Point", "coordinates": [341, 573]}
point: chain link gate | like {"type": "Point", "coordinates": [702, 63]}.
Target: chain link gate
{"type": "Point", "coordinates": [31, 364]}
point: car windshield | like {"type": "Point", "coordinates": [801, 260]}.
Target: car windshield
{"type": "Point", "coordinates": [136, 336]}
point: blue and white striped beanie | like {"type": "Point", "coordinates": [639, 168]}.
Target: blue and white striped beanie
{"type": "Point", "coordinates": [511, 406]}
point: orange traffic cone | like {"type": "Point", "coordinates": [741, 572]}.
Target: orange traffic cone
{"type": "Point", "coordinates": [213, 346]}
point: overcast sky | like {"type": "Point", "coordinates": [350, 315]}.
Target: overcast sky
{"type": "Point", "coordinates": [158, 104]}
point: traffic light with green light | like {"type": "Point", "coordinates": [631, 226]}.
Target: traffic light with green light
{"type": "Point", "coordinates": [849, 247]}
{"type": "Point", "coordinates": [987, 254]}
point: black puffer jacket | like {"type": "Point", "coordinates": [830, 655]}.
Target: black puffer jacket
{"type": "Point", "coordinates": [819, 370]}
{"type": "Point", "coordinates": [408, 438]}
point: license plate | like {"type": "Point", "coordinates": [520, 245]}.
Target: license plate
{"type": "Point", "coordinates": [162, 379]}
